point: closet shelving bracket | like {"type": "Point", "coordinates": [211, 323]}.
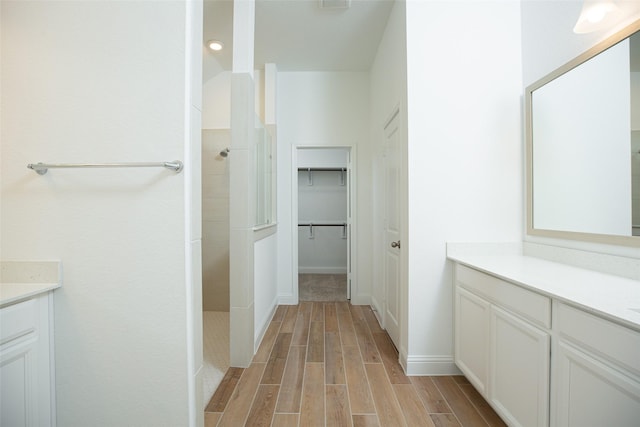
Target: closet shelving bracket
{"type": "Point", "coordinates": [310, 171]}
{"type": "Point", "coordinates": [319, 224]}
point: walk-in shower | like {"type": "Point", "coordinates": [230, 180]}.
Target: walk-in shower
{"type": "Point", "coordinates": [215, 257]}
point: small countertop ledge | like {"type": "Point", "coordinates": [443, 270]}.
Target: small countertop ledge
{"type": "Point", "coordinates": [21, 280]}
{"type": "Point", "coordinates": [613, 297]}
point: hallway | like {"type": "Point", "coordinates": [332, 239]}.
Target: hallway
{"type": "Point", "coordinates": [329, 363]}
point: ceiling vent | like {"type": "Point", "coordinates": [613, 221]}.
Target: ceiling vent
{"type": "Point", "coordinates": [334, 4]}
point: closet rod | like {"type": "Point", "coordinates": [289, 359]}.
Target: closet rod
{"type": "Point", "coordinates": [319, 224]}
{"type": "Point", "coordinates": [42, 168]}
{"type": "Point", "coordinates": [321, 169]}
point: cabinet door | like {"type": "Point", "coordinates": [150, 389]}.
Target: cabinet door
{"type": "Point", "coordinates": [592, 393]}
{"type": "Point", "coordinates": [472, 337]}
{"type": "Point", "coordinates": [25, 364]}
{"type": "Point", "coordinates": [519, 366]}
{"type": "Point", "coordinates": [18, 386]}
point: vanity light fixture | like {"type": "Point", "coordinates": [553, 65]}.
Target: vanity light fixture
{"type": "Point", "coordinates": [595, 16]}
{"type": "Point", "coordinates": [215, 45]}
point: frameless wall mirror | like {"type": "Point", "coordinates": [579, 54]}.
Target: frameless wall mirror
{"type": "Point", "coordinates": [583, 146]}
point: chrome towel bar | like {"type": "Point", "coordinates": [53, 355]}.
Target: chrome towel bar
{"type": "Point", "coordinates": [42, 168]}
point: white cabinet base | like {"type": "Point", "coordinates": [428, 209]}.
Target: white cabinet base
{"type": "Point", "coordinates": [592, 394]}
{"type": "Point", "coordinates": [501, 346]}
{"type": "Point", "coordinates": [564, 346]}
{"type": "Point", "coordinates": [519, 385]}
{"type": "Point", "coordinates": [26, 363]}
{"type": "Point", "coordinates": [472, 338]}
{"type": "Point", "coordinates": [596, 371]}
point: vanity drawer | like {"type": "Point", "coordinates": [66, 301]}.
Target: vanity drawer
{"type": "Point", "coordinates": [18, 321]}
{"type": "Point", "coordinates": [609, 340]}
{"type": "Point", "coordinates": [530, 305]}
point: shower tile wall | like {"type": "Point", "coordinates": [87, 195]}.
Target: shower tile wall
{"type": "Point", "coordinates": [215, 221]}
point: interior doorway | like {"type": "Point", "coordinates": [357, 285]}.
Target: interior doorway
{"type": "Point", "coordinates": [324, 224]}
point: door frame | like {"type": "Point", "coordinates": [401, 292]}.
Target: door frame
{"type": "Point", "coordinates": [352, 231]}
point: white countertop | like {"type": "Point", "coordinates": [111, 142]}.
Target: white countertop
{"type": "Point", "coordinates": [13, 292]}
{"type": "Point", "coordinates": [20, 280]}
{"type": "Point", "coordinates": [607, 295]}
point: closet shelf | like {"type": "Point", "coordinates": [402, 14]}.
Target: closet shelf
{"type": "Point", "coordinates": [321, 224]}
{"type": "Point", "coordinates": [322, 169]}
{"type": "Point", "coordinates": [309, 170]}
{"type": "Point", "coordinates": [311, 225]}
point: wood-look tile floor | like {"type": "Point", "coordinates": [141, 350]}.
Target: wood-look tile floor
{"type": "Point", "coordinates": [330, 364]}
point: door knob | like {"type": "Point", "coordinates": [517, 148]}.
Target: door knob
{"type": "Point", "coordinates": [395, 244]}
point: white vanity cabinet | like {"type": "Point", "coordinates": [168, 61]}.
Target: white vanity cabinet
{"type": "Point", "coordinates": [596, 371]}
{"type": "Point", "coordinates": [502, 345]}
{"type": "Point", "coordinates": [581, 369]}
{"type": "Point", "coordinates": [26, 363]}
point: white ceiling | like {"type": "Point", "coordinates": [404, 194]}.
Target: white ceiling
{"type": "Point", "coordinates": [297, 35]}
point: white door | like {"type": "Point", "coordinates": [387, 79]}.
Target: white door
{"type": "Point", "coordinates": [348, 228]}
{"type": "Point", "coordinates": [392, 229]}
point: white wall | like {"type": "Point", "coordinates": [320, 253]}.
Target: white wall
{"type": "Point", "coordinates": [324, 252]}
{"type": "Point", "coordinates": [464, 153]}
{"type": "Point", "coordinates": [323, 109]}
{"type": "Point", "coordinates": [323, 158]}
{"type": "Point", "coordinates": [388, 86]}
{"type": "Point", "coordinates": [216, 99]}
{"type": "Point", "coordinates": [216, 102]}
{"type": "Point", "coordinates": [266, 287]}
{"type": "Point", "coordinates": [109, 82]}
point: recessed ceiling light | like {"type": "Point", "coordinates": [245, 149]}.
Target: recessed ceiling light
{"type": "Point", "coordinates": [215, 45]}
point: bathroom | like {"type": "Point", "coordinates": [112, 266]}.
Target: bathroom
{"type": "Point", "coordinates": [129, 247]}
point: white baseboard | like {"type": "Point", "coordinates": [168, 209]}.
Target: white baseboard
{"type": "Point", "coordinates": [360, 300]}
{"type": "Point", "coordinates": [430, 365]}
{"type": "Point", "coordinates": [376, 307]}
{"type": "Point", "coordinates": [322, 270]}
{"type": "Point", "coordinates": [264, 324]}
{"type": "Point", "coordinates": [355, 300]}
{"type": "Point", "coordinates": [287, 300]}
